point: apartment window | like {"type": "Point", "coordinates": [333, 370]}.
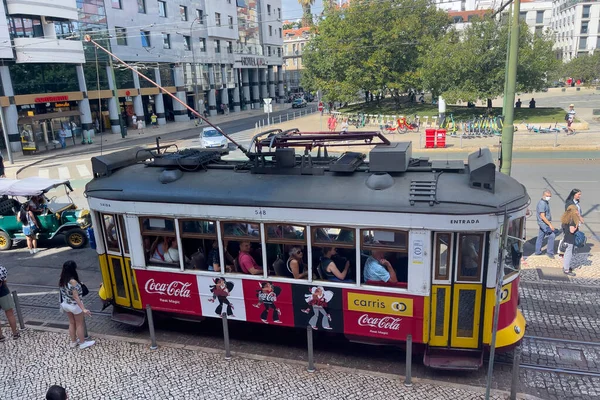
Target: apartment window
{"type": "Point", "coordinates": [280, 33]}
{"type": "Point", "coordinates": [585, 13]}
{"type": "Point", "coordinates": [229, 47]}
{"type": "Point", "coordinates": [202, 45]}
{"type": "Point", "coordinates": [183, 13]}
{"type": "Point", "coordinates": [141, 6]}
{"type": "Point", "coordinates": [166, 41]}
{"type": "Point", "coordinates": [279, 52]}
{"type": "Point", "coordinates": [200, 16]}
{"type": "Point", "coordinates": [523, 15]}
{"type": "Point", "coordinates": [121, 34]}
{"type": "Point", "coordinates": [217, 46]}
{"type": "Point", "coordinates": [186, 43]}
{"type": "Point", "coordinates": [270, 30]}
{"type": "Point", "coordinates": [145, 38]}
{"type": "Point", "coordinates": [63, 29]}
{"type": "Point", "coordinates": [582, 43]}
{"type": "Point", "coordinates": [116, 4]}
{"type": "Point", "coordinates": [230, 21]}
{"type": "Point", "coordinates": [584, 27]}
{"type": "Point", "coordinates": [279, 13]}
{"type": "Point", "coordinates": [162, 9]}
{"type": "Point", "coordinates": [539, 17]}
{"type": "Point", "coordinates": [539, 30]}
{"type": "Point", "coordinates": [269, 51]}
{"type": "Point", "coordinates": [217, 19]}
{"type": "Point", "coordinates": [268, 9]}
{"type": "Point", "coordinates": [228, 1]}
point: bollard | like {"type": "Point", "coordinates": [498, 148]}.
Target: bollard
{"type": "Point", "coordinates": [279, 118]}
{"type": "Point", "coordinates": [461, 137]}
{"type": "Point", "coordinates": [311, 361]}
{"type": "Point", "coordinates": [153, 345]}
{"type": "Point", "coordinates": [515, 373]}
{"type": "Point", "coordinates": [18, 308]}
{"type": "Point", "coordinates": [226, 336]}
{"type": "Point", "coordinates": [555, 138]}
{"type": "Point", "coordinates": [408, 378]}
{"type": "Point", "coordinates": [85, 330]}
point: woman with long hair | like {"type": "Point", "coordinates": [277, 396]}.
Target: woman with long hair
{"type": "Point", "coordinates": [31, 227]}
{"type": "Point", "coordinates": [71, 293]}
{"type": "Point", "coordinates": [573, 200]}
{"type": "Point", "coordinates": [570, 224]}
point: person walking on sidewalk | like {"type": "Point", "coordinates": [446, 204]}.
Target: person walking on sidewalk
{"type": "Point", "coordinates": [572, 200]}
{"type": "Point", "coordinates": [570, 224]}
{"type": "Point", "coordinates": [154, 120]}
{"type": "Point", "coordinates": [570, 117]}
{"type": "Point", "coordinates": [31, 227]}
{"type": "Point", "coordinates": [71, 293]}
{"type": "Point", "coordinates": [544, 218]}
{"type": "Point", "coordinates": [140, 126]}
{"type": "Point", "coordinates": [7, 304]}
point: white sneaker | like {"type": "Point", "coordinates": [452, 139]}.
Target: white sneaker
{"type": "Point", "coordinates": [35, 251]}
{"type": "Point", "coordinates": [73, 345]}
{"type": "Point", "coordinates": [86, 344]}
{"type": "Point", "coordinates": [30, 251]}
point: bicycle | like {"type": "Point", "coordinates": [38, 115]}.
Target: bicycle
{"type": "Point", "coordinates": [404, 126]}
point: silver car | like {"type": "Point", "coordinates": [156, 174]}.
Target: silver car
{"type": "Point", "coordinates": [211, 138]}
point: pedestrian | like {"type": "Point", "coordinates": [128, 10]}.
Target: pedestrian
{"type": "Point", "coordinates": [2, 171]}
{"type": "Point", "coordinates": [62, 138]}
{"type": "Point", "coordinates": [56, 392]}
{"type": "Point", "coordinates": [71, 293]}
{"type": "Point", "coordinates": [331, 123]}
{"type": "Point", "coordinates": [134, 121]}
{"type": "Point", "coordinates": [31, 226]}
{"type": "Point", "coordinates": [570, 224]}
{"type": "Point", "coordinates": [8, 305]}
{"type": "Point", "coordinates": [572, 200]}
{"type": "Point", "coordinates": [518, 103]}
{"type": "Point", "coordinates": [140, 126]}
{"type": "Point", "coordinates": [544, 218]}
{"type": "Point", "coordinates": [154, 121]}
{"type": "Point", "coordinates": [532, 103]}
{"type": "Point", "coordinates": [345, 126]}
{"type": "Point", "coordinates": [570, 117]}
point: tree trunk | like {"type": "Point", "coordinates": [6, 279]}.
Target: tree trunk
{"type": "Point", "coordinates": [306, 16]}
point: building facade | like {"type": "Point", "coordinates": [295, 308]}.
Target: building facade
{"type": "Point", "coordinates": [576, 25]}
{"type": "Point", "coordinates": [294, 41]}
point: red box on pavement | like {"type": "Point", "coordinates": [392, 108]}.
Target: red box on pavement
{"type": "Point", "coordinates": [429, 138]}
{"type": "Point", "coordinates": [440, 138]}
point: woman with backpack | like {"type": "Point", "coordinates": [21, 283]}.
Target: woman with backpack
{"type": "Point", "coordinates": [31, 227]}
{"type": "Point", "coordinates": [570, 225]}
{"type": "Point", "coordinates": [71, 294]}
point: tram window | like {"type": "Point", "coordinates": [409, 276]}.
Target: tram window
{"type": "Point", "coordinates": [514, 247]}
{"type": "Point", "coordinates": [384, 257]}
{"type": "Point", "coordinates": [154, 225]}
{"type": "Point", "coordinates": [286, 251]}
{"type": "Point", "coordinates": [160, 244]}
{"type": "Point", "coordinates": [336, 236]}
{"type": "Point", "coordinates": [246, 256]}
{"type": "Point", "coordinates": [200, 245]}
{"type": "Point", "coordinates": [239, 230]}
{"type": "Point", "coordinates": [124, 234]}
{"type": "Point", "coordinates": [443, 245]}
{"type": "Point", "coordinates": [111, 233]}
{"type": "Point", "coordinates": [333, 264]}
{"type": "Point", "coordinates": [470, 257]}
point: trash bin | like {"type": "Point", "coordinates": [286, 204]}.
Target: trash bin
{"type": "Point", "coordinates": [91, 238]}
{"type": "Point", "coordinates": [440, 138]}
{"type": "Point", "coordinates": [429, 138]}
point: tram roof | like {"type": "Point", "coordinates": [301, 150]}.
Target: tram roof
{"type": "Point", "coordinates": [331, 191]}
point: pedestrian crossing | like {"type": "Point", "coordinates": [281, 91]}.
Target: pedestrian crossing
{"type": "Point", "coordinates": [66, 172]}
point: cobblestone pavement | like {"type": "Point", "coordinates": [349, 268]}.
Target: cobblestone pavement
{"type": "Point", "coordinates": [118, 369]}
{"type": "Point", "coordinates": [586, 265]}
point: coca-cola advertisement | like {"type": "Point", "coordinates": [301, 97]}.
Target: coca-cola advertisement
{"type": "Point", "coordinates": [171, 292]}
{"type": "Point", "coordinates": [268, 302]}
{"type": "Point", "coordinates": [383, 315]}
{"type": "Point", "coordinates": [221, 295]}
{"type": "Point", "coordinates": [319, 307]}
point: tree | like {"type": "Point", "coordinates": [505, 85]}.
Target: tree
{"type": "Point", "coordinates": [370, 46]}
{"type": "Point", "coordinates": [584, 67]}
{"type": "Point", "coordinates": [291, 25]}
{"type": "Point", "coordinates": [469, 66]}
{"type": "Point", "coordinates": [306, 12]}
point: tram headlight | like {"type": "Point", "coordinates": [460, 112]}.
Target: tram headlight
{"type": "Point", "coordinates": [517, 329]}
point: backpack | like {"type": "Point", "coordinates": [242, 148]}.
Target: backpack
{"type": "Point", "coordinates": [566, 116]}
{"type": "Point", "coordinates": [580, 239]}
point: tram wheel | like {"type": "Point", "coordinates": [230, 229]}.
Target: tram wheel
{"type": "Point", "coordinates": [5, 241]}
{"type": "Point", "coordinates": [76, 238]}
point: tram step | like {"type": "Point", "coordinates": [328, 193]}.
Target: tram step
{"type": "Point", "coordinates": [128, 317]}
{"type": "Point", "coordinates": [453, 359]}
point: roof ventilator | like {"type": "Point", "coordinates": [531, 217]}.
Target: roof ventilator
{"type": "Point", "coordinates": [482, 170]}
{"type": "Point", "coordinates": [423, 191]}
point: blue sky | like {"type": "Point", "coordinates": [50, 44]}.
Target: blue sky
{"type": "Point", "coordinates": [292, 10]}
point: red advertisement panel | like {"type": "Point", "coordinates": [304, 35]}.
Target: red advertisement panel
{"type": "Point", "coordinates": [387, 316]}
{"type": "Point", "coordinates": [169, 291]}
{"type": "Point", "coordinates": [268, 302]}
{"type": "Point", "coordinates": [509, 298]}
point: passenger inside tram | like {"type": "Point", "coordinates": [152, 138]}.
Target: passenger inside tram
{"type": "Point", "coordinates": [378, 269]}
{"type": "Point", "coordinates": [295, 266]}
{"type": "Point", "coordinates": [246, 262]}
{"type": "Point", "coordinates": [469, 255]}
{"type": "Point", "coordinates": [329, 270]}
{"type": "Point", "coordinates": [165, 250]}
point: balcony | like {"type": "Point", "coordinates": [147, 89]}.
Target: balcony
{"type": "Point", "coordinates": [42, 50]}
{"type": "Point", "coordinates": [56, 8]}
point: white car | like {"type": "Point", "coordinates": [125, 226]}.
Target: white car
{"type": "Point", "coordinates": [211, 138]}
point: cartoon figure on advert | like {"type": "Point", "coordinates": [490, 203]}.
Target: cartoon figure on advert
{"type": "Point", "coordinates": [267, 296]}
{"type": "Point", "coordinates": [221, 290]}
{"type": "Point", "coordinates": [318, 298]}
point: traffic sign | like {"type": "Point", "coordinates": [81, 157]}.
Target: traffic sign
{"type": "Point", "coordinates": [320, 106]}
{"type": "Point", "coordinates": [268, 107]}
{"type": "Point", "coordinates": [267, 100]}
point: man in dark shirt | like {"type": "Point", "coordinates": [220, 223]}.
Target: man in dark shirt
{"type": "Point", "coordinates": [544, 218]}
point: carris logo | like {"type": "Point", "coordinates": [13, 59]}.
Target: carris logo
{"type": "Point", "coordinates": [175, 288]}
{"type": "Point", "coordinates": [464, 221]}
{"type": "Point", "coordinates": [376, 322]}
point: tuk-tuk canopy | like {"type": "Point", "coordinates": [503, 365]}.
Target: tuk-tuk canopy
{"type": "Point", "coordinates": [33, 186]}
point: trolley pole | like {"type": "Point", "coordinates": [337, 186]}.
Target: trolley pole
{"type": "Point", "coordinates": [508, 130]}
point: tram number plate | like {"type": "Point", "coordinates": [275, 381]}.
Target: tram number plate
{"type": "Point", "coordinates": [259, 212]}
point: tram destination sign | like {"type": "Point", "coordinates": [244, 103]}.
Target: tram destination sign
{"type": "Point", "coordinates": [166, 291]}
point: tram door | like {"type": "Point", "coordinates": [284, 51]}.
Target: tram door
{"type": "Point", "coordinates": [457, 290]}
{"type": "Point", "coordinates": [124, 284]}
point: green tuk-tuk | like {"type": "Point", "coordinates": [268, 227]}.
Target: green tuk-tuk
{"type": "Point", "coordinates": [56, 218]}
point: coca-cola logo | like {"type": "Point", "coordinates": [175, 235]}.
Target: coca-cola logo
{"type": "Point", "coordinates": [175, 288]}
{"type": "Point", "coordinates": [268, 297]}
{"type": "Point", "coordinates": [388, 322]}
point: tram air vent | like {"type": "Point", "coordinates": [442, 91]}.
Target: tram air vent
{"type": "Point", "coordinates": [482, 170]}
{"type": "Point", "coordinates": [390, 158]}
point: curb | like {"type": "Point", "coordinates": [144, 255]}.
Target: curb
{"type": "Point", "coordinates": [257, 357]}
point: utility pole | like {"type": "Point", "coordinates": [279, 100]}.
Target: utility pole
{"type": "Point", "coordinates": [505, 103]}
{"type": "Point", "coordinates": [194, 67]}
{"type": "Point", "coordinates": [122, 123]}
{"type": "Point", "coordinates": [508, 130]}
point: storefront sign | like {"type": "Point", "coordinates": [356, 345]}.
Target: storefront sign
{"type": "Point", "coordinates": [65, 104]}
{"type": "Point", "coordinates": [166, 291]}
{"type": "Point", "coordinates": [252, 61]}
{"type": "Point", "coordinates": [51, 99]}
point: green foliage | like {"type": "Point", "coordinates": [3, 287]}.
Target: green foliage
{"type": "Point", "coordinates": [370, 46]}
{"type": "Point", "coordinates": [292, 25]}
{"type": "Point", "coordinates": [585, 67]}
{"type": "Point", "coordinates": [471, 65]}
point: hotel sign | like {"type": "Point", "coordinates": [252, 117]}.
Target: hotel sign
{"type": "Point", "coordinates": [51, 99]}
{"type": "Point", "coordinates": [252, 61]}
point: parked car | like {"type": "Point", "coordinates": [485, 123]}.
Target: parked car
{"type": "Point", "coordinates": [299, 103]}
{"type": "Point", "coordinates": [212, 138]}
{"type": "Point", "coordinates": [56, 218]}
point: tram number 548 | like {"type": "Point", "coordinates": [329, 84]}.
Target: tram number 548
{"type": "Point", "coordinates": [259, 212]}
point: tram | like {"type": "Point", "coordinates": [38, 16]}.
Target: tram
{"type": "Point", "coordinates": [375, 250]}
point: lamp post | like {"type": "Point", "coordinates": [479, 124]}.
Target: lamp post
{"type": "Point", "coordinates": [296, 74]}
{"type": "Point", "coordinates": [194, 67]}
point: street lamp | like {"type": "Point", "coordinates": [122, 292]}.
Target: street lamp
{"type": "Point", "coordinates": [194, 68]}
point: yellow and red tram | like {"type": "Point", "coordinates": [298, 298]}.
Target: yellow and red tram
{"type": "Point", "coordinates": [438, 223]}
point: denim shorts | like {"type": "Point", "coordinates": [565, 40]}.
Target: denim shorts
{"type": "Point", "coordinates": [7, 303]}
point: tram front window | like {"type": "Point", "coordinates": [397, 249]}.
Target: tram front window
{"type": "Point", "coordinates": [384, 257]}
{"type": "Point", "coordinates": [469, 257]}
{"type": "Point", "coordinates": [334, 253]}
{"type": "Point", "coordinates": [514, 246]}
{"type": "Point", "coordinates": [160, 242]}
{"type": "Point", "coordinates": [286, 250]}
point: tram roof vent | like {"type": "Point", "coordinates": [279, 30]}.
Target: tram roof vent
{"type": "Point", "coordinates": [394, 157]}
{"type": "Point", "coordinates": [482, 170]}
{"type": "Point", "coordinates": [106, 164]}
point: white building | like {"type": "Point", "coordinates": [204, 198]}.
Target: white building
{"type": "Point", "coordinates": [577, 27]}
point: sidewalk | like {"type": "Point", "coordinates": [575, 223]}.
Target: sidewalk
{"type": "Point", "coordinates": [541, 268]}
{"type": "Point", "coordinates": [118, 368]}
